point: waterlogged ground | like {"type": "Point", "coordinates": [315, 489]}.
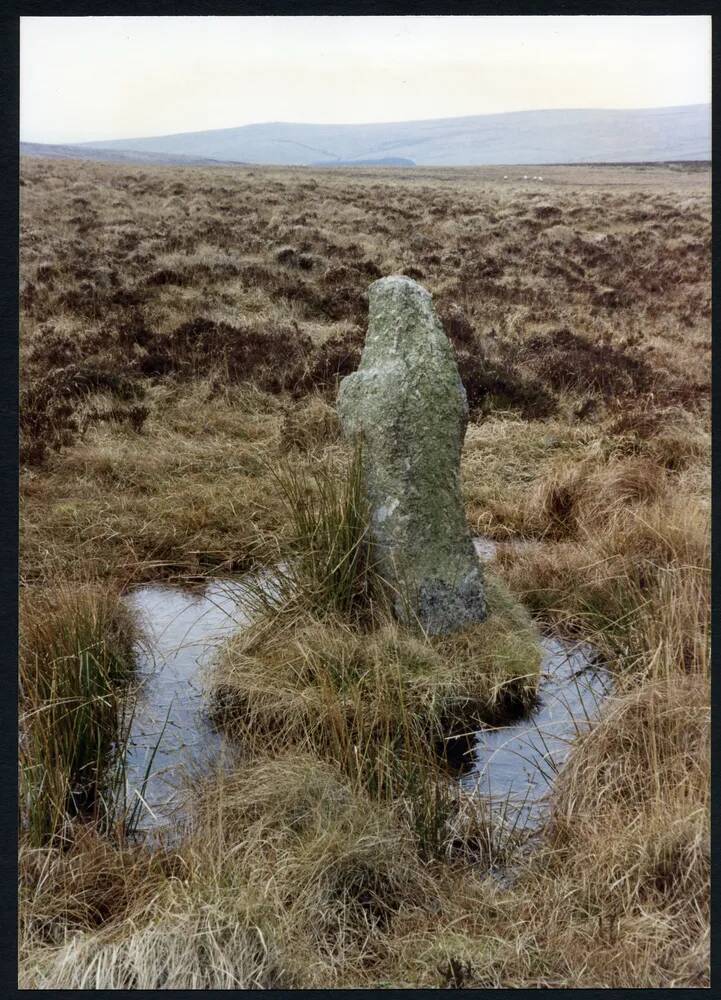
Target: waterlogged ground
{"type": "Point", "coordinates": [173, 741]}
{"type": "Point", "coordinates": [514, 766]}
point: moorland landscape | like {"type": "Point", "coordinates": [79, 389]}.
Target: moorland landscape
{"type": "Point", "coordinates": [183, 332]}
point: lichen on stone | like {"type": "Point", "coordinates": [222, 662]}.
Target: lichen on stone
{"type": "Point", "coordinates": [407, 404]}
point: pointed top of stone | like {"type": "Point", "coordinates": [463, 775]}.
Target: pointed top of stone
{"type": "Point", "coordinates": [397, 285]}
{"type": "Point", "coordinates": [398, 280]}
{"type": "Point", "coordinates": [402, 324]}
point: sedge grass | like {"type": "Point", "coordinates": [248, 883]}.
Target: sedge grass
{"type": "Point", "coordinates": [76, 659]}
{"type": "Point", "coordinates": [325, 565]}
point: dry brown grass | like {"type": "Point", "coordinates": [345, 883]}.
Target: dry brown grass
{"type": "Point", "coordinates": [76, 661]}
{"type": "Point", "coordinates": [294, 678]}
{"type": "Point", "coordinates": [276, 299]}
{"type": "Point", "coordinates": [182, 332]}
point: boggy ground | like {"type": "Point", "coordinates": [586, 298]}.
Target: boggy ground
{"type": "Point", "coordinates": [182, 333]}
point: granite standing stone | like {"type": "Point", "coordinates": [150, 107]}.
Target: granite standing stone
{"type": "Point", "coordinates": [407, 404]}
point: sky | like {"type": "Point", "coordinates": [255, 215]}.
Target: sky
{"type": "Point", "coordinates": [85, 78]}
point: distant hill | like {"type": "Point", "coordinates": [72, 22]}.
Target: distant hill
{"type": "Point", "coordinates": [113, 155]}
{"type": "Point", "coordinates": [382, 161]}
{"type": "Point", "coordinates": [533, 137]}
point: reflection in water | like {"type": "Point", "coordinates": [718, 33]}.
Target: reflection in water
{"type": "Point", "coordinates": [183, 629]}
{"type": "Point", "coordinates": [512, 767]}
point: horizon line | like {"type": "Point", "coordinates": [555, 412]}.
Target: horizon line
{"type": "Point", "coordinates": [400, 121]}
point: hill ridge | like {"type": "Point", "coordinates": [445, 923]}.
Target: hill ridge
{"type": "Point", "coordinates": [567, 135]}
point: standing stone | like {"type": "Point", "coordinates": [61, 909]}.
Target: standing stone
{"type": "Point", "coordinates": [407, 404]}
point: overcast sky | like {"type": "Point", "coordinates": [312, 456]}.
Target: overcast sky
{"type": "Point", "coordinates": [84, 78]}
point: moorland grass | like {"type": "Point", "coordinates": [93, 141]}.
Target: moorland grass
{"type": "Point", "coordinates": [583, 336]}
{"type": "Point", "coordinates": [76, 660]}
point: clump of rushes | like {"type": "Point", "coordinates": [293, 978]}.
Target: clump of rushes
{"type": "Point", "coordinates": [76, 657]}
{"type": "Point", "coordinates": [327, 568]}
{"type": "Point", "coordinates": [324, 666]}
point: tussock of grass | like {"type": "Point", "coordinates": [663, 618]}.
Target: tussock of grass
{"type": "Point", "coordinates": [281, 673]}
{"type": "Point", "coordinates": [311, 824]}
{"type": "Point", "coordinates": [574, 494]}
{"type": "Point", "coordinates": [91, 882]}
{"type": "Point", "coordinates": [637, 578]}
{"type": "Point", "coordinates": [290, 879]}
{"type": "Point", "coordinates": [76, 656]}
{"type": "Point", "coordinates": [190, 944]}
{"type": "Point", "coordinates": [379, 703]}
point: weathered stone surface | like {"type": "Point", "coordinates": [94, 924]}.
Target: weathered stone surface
{"type": "Point", "coordinates": [408, 405]}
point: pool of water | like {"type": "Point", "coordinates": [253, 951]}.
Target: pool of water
{"type": "Point", "coordinates": [172, 738]}
{"type": "Point", "coordinates": [514, 766]}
